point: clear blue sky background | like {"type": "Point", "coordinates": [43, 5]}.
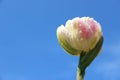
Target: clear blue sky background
{"type": "Point", "coordinates": [29, 49]}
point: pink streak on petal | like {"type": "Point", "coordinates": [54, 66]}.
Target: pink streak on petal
{"type": "Point", "coordinates": [86, 32]}
{"type": "Point", "coordinates": [93, 25]}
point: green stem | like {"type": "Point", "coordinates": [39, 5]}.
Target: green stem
{"type": "Point", "coordinates": [79, 75]}
{"type": "Point", "coordinates": [80, 70]}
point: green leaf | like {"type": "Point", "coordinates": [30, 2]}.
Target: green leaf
{"type": "Point", "coordinates": [90, 56]}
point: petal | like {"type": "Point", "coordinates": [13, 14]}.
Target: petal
{"type": "Point", "coordinates": [71, 26]}
{"type": "Point", "coordinates": [64, 40]}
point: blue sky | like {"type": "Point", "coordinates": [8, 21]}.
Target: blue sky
{"type": "Point", "coordinates": [29, 49]}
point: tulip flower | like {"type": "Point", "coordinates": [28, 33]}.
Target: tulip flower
{"type": "Point", "coordinates": [79, 34]}
{"type": "Point", "coordinates": [81, 37]}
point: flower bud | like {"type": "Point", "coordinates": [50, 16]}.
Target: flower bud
{"type": "Point", "coordinates": [79, 35]}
